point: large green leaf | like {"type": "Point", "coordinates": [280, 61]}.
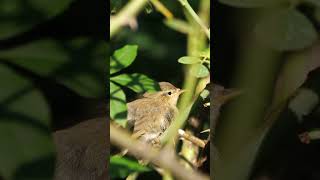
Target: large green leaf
{"type": "Point", "coordinates": [137, 82]}
{"type": "Point", "coordinates": [118, 106]}
{"type": "Point", "coordinates": [26, 144]}
{"type": "Point", "coordinates": [253, 3]}
{"type": "Point", "coordinates": [121, 167]}
{"type": "Point", "coordinates": [286, 29]}
{"type": "Point", "coordinates": [122, 58]}
{"type": "Point", "coordinates": [78, 63]}
{"type": "Point", "coordinates": [18, 16]}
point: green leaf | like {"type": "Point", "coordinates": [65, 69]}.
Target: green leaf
{"type": "Point", "coordinates": [253, 3]}
{"type": "Point", "coordinates": [78, 63]}
{"type": "Point", "coordinates": [25, 135]}
{"type": "Point", "coordinates": [286, 30]}
{"type": "Point", "coordinates": [122, 58]}
{"type": "Point", "coordinates": [121, 167]}
{"type": "Point", "coordinates": [303, 103]}
{"type": "Point", "coordinates": [139, 83]}
{"type": "Point", "coordinates": [18, 16]}
{"type": "Point", "coordinates": [118, 105]}
{"type": "Point", "coordinates": [199, 71]}
{"type": "Point", "coordinates": [189, 60]}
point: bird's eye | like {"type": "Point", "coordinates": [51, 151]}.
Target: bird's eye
{"type": "Point", "coordinates": [169, 93]}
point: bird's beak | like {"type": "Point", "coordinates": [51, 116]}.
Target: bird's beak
{"type": "Point", "coordinates": [182, 91]}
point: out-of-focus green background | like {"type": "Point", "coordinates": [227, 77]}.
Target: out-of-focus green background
{"type": "Point", "coordinates": [52, 65]}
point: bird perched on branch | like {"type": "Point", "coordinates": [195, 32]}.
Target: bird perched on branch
{"type": "Point", "coordinates": [153, 113]}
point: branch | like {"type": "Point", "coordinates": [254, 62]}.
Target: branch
{"type": "Point", "coordinates": [127, 13]}
{"type": "Point", "coordinates": [164, 158]}
{"type": "Point", "coordinates": [199, 142]}
{"type": "Point", "coordinates": [194, 15]}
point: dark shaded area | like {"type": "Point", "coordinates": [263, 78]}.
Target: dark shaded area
{"type": "Point", "coordinates": [224, 44]}
{"type": "Point", "coordinates": [283, 155]}
{"type": "Point", "coordinates": [82, 18]}
{"type": "Point", "coordinates": [37, 169]}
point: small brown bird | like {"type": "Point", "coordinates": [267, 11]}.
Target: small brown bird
{"type": "Point", "coordinates": [152, 114]}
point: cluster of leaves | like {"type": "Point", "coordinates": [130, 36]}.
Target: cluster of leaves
{"type": "Point", "coordinates": [281, 27]}
{"type": "Point", "coordinates": [76, 64]}
{"type": "Point", "coordinates": [201, 63]}
{"type": "Point", "coordinates": [137, 82]}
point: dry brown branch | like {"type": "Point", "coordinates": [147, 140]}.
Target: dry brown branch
{"type": "Point", "coordinates": [199, 142]}
{"type": "Point", "coordinates": [164, 158]}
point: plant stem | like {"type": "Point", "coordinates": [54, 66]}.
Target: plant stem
{"type": "Point", "coordinates": [127, 13]}
{"type": "Point", "coordinates": [162, 9]}
{"type": "Point", "coordinates": [194, 15]}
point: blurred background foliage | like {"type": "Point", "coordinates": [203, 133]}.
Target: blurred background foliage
{"type": "Point", "coordinates": [270, 50]}
{"type": "Point", "coordinates": [53, 65]}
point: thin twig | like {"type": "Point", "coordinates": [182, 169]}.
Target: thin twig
{"type": "Point", "coordinates": [199, 142]}
{"type": "Point", "coordinates": [162, 9]}
{"type": "Point", "coordinates": [194, 15]}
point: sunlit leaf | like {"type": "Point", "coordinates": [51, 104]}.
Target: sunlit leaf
{"type": "Point", "coordinates": [137, 82]}
{"type": "Point", "coordinates": [118, 107]}
{"type": "Point", "coordinates": [122, 58]}
{"type": "Point", "coordinates": [189, 60]}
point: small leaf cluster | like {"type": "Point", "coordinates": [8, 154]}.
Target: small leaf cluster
{"type": "Point", "coordinates": [200, 64]}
